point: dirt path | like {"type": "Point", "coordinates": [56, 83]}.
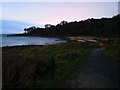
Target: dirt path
{"type": "Point", "coordinates": [96, 71]}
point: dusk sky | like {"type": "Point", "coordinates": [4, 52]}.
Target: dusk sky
{"type": "Point", "coordinates": [54, 12]}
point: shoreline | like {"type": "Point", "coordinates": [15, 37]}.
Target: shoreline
{"type": "Point", "coordinates": [58, 37]}
{"type": "Point", "coordinates": [22, 46]}
{"type": "Point", "coordinates": [71, 39]}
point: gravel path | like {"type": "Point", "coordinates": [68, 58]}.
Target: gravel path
{"type": "Point", "coordinates": [96, 71]}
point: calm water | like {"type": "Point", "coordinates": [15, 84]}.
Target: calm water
{"type": "Point", "coordinates": [22, 40]}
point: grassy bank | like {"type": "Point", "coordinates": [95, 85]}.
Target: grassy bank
{"type": "Point", "coordinates": [66, 57]}
{"type": "Point", "coordinates": [112, 51]}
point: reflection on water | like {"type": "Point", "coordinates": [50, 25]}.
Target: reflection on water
{"type": "Point", "coordinates": [22, 40]}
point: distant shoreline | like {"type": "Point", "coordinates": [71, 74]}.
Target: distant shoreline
{"type": "Point", "coordinates": [58, 39]}
{"type": "Point", "coordinates": [22, 46]}
{"type": "Point", "coordinates": [79, 39]}
{"type": "Point", "coordinates": [49, 36]}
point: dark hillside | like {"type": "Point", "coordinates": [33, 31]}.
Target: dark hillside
{"type": "Point", "coordinates": [104, 27]}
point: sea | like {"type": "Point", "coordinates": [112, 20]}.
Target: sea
{"type": "Point", "coordinates": [28, 40]}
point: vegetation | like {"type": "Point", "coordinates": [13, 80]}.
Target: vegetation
{"type": "Point", "coordinates": [112, 51]}
{"type": "Point", "coordinates": [20, 64]}
{"type": "Point", "coordinates": [104, 27]}
{"type": "Point", "coordinates": [48, 66]}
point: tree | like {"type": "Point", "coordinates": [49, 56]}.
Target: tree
{"type": "Point", "coordinates": [63, 23]}
{"type": "Point", "coordinates": [48, 25]}
{"type": "Point", "coordinates": [27, 30]}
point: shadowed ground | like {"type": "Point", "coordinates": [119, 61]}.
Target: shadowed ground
{"type": "Point", "coordinates": [96, 71]}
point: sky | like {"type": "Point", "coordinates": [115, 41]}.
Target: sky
{"type": "Point", "coordinates": [55, 12]}
{"type": "Point", "coordinates": [42, 13]}
{"type": "Point", "coordinates": [59, 0]}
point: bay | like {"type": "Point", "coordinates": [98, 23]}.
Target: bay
{"type": "Point", "coordinates": [28, 40]}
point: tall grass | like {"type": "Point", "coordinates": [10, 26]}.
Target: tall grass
{"type": "Point", "coordinates": [112, 51]}
{"type": "Point", "coordinates": [66, 56]}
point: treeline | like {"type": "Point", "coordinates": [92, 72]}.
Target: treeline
{"type": "Point", "coordinates": [104, 27]}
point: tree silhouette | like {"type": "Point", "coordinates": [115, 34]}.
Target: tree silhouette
{"type": "Point", "coordinates": [63, 23]}
{"type": "Point", "coordinates": [27, 30]}
{"type": "Point", "coordinates": [48, 25]}
{"type": "Point", "coordinates": [104, 27]}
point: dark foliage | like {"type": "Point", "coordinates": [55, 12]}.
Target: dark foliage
{"type": "Point", "coordinates": [104, 27]}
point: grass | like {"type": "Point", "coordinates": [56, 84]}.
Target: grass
{"type": "Point", "coordinates": [112, 51]}
{"type": "Point", "coordinates": [67, 57]}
